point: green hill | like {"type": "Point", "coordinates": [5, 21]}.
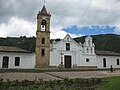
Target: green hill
{"type": "Point", "coordinates": [23, 42]}
{"type": "Point", "coordinates": [108, 42]}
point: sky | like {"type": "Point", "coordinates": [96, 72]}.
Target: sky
{"type": "Point", "coordinates": [76, 17]}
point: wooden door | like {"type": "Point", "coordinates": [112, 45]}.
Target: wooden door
{"type": "Point", "coordinates": [67, 61]}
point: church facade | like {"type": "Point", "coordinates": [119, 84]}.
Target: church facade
{"type": "Point", "coordinates": [65, 53]}
{"type": "Point", "coordinates": [73, 54]}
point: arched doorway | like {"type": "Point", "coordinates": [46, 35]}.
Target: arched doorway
{"type": "Point", "coordinates": [5, 62]}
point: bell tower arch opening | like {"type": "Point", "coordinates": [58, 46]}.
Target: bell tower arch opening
{"type": "Point", "coordinates": [43, 25]}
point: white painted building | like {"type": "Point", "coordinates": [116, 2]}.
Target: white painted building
{"type": "Point", "coordinates": [66, 52]}
{"type": "Point", "coordinates": [106, 58]}
{"type": "Point", "coordinates": [72, 54]}
{"type": "Point", "coordinates": [12, 57]}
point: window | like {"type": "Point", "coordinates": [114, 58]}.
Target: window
{"type": "Point", "coordinates": [91, 50]}
{"type": "Point", "coordinates": [43, 52]}
{"type": "Point", "coordinates": [67, 38]}
{"type": "Point", "coordinates": [104, 62]}
{"type": "Point", "coordinates": [43, 40]}
{"type": "Point", "coordinates": [87, 59]}
{"type": "Point", "coordinates": [89, 42]}
{"type": "Point", "coordinates": [68, 46]}
{"type": "Point", "coordinates": [87, 50]}
{"type": "Point", "coordinates": [5, 62]}
{"type": "Point", "coordinates": [17, 61]}
{"type": "Point", "coordinates": [118, 62]}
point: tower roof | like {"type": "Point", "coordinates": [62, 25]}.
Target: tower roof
{"type": "Point", "coordinates": [43, 10]}
{"type": "Point", "coordinates": [88, 37]}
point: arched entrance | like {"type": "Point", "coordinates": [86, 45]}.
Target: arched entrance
{"type": "Point", "coordinates": [5, 62]}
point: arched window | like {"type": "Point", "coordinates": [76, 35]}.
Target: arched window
{"type": "Point", "coordinates": [43, 40]}
{"type": "Point", "coordinates": [43, 25]}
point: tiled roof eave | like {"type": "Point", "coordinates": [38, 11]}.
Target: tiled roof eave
{"type": "Point", "coordinates": [106, 55]}
{"type": "Point", "coordinates": [17, 51]}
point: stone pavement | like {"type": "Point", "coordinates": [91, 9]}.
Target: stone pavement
{"type": "Point", "coordinates": [57, 75]}
{"type": "Point", "coordinates": [85, 74]}
{"type": "Point", "coordinates": [26, 76]}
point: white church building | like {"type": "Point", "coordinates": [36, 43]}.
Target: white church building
{"type": "Point", "coordinates": [72, 54]}
{"type": "Point", "coordinates": [66, 52]}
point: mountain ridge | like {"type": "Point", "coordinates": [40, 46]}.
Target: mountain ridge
{"type": "Point", "coordinates": [105, 42]}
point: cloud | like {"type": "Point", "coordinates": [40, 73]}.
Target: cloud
{"type": "Point", "coordinates": [59, 34]}
{"type": "Point", "coordinates": [85, 12]}
{"type": "Point", "coordinates": [17, 27]}
{"type": "Point", "coordinates": [64, 14]}
{"type": "Point", "coordinates": [75, 35]}
{"type": "Point", "coordinates": [117, 29]}
{"type": "Point", "coordinates": [26, 9]}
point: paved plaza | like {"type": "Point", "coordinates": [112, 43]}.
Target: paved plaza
{"type": "Point", "coordinates": [57, 75]}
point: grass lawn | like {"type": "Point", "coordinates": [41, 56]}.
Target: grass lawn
{"type": "Point", "coordinates": [112, 84]}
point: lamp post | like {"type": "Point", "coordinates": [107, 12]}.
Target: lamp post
{"type": "Point", "coordinates": [61, 57]}
{"type": "Point", "coordinates": [61, 60]}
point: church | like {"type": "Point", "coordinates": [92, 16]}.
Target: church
{"type": "Point", "coordinates": [65, 53]}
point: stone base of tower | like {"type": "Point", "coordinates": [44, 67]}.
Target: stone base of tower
{"type": "Point", "coordinates": [41, 66]}
{"type": "Point", "coordinates": [44, 64]}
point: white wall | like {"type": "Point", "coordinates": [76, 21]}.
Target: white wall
{"type": "Point", "coordinates": [27, 60]}
{"type": "Point", "coordinates": [110, 60]}
{"type": "Point", "coordinates": [91, 57]}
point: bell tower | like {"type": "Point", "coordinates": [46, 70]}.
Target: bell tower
{"type": "Point", "coordinates": [43, 39]}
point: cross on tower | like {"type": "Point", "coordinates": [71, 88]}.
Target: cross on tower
{"type": "Point", "coordinates": [44, 1]}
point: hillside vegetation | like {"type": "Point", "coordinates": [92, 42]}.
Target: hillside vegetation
{"type": "Point", "coordinates": [108, 42]}
{"type": "Point", "coordinates": [23, 42]}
